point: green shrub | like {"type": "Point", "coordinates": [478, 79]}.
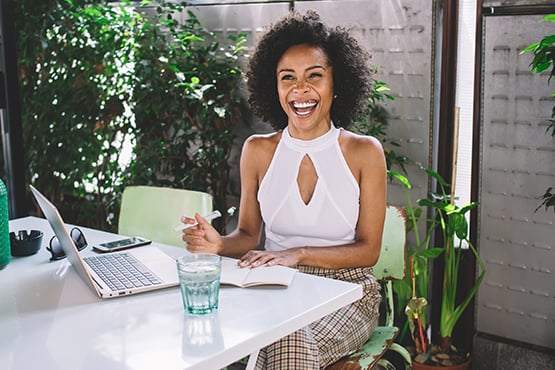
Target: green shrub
{"type": "Point", "coordinates": [101, 83]}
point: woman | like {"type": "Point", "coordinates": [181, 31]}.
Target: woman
{"type": "Point", "coordinates": [319, 189]}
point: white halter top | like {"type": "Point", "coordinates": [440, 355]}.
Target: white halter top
{"type": "Point", "coordinates": [330, 217]}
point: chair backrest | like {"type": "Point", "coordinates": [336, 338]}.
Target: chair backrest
{"type": "Point", "coordinates": [391, 263]}
{"type": "Point", "coordinates": [154, 212]}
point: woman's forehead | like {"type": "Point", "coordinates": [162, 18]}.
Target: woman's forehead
{"type": "Point", "coordinates": [303, 55]}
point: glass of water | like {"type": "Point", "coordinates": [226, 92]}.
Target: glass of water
{"type": "Point", "coordinates": [199, 278]}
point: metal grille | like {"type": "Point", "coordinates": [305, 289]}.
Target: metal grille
{"type": "Point", "coordinates": [517, 299]}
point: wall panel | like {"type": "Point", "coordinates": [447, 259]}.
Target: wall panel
{"type": "Point", "coordinates": [517, 299]}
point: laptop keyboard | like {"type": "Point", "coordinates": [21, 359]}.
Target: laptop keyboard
{"type": "Point", "coordinates": [121, 271]}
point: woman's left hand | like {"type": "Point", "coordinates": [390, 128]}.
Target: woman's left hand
{"type": "Point", "coordinates": [255, 258]}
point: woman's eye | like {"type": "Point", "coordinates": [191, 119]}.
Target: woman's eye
{"type": "Point", "coordinates": [286, 78]}
{"type": "Point", "coordinates": [314, 75]}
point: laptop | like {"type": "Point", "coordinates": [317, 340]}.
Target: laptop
{"type": "Point", "coordinates": [157, 268]}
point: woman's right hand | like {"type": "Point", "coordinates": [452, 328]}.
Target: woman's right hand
{"type": "Point", "coordinates": [202, 237]}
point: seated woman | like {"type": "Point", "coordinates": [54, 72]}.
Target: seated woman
{"type": "Point", "coordinates": [319, 189]}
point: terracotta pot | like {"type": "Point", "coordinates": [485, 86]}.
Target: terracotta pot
{"type": "Point", "coordinates": [419, 366]}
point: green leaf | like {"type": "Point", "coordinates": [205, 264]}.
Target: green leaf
{"type": "Point", "coordinates": [529, 48]}
{"type": "Point", "coordinates": [549, 17]}
{"type": "Point", "coordinates": [432, 252]}
{"type": "Point", "coordinates": [458, 225]}
{"type": "Point", "coordinates": [425, 202]}
{"type": "Point", "coordinates": [436, 176]}
{"type": "Point", "coordinates": [467, 207]}
{"type": "Point", "coordinates": [401, 178]}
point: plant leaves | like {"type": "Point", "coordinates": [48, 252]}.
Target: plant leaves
{"type": "Point", "coordinates": [432, 252]}
{"type": "Point", "coordinates": [401, 178]}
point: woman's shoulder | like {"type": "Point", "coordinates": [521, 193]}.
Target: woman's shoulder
{"type": "Point", "coordinates": [258, 151]}
{"type": "Point", "coordinates": [261, 141]}
{"type": "Point", "coordinates": [259, 146]}
{"type": "Point", "coordinates": [261, 138]}
{"type": "Point", "coordinates": [362, 153]}
{"type": "Point", "coordinates": [353, 142]}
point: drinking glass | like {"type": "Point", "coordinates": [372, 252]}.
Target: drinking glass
{"type": "Point", "coordinates": [199, 278]}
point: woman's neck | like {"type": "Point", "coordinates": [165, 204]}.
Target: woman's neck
{"type": "Point", "coordinates": [308, 134]}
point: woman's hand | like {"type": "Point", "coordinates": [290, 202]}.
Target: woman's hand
{"type": "Point", "coordinates": [202, 237]}
{"type": "Point", "coordinates": [255, 258]}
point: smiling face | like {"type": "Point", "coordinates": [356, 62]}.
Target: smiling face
{"type": "Point", "coordinates": [305, 89]}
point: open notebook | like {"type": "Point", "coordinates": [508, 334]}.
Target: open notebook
{"type": "Point", "coordinates": [246, 277]}
{"type": "Point", "coordinates": [158, 270]}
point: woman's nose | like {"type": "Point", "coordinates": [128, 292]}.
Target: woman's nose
{"type": "Point", "coordinates": [301, 85]}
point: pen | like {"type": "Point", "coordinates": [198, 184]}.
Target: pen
{"type": "Point", "coordinates": [209, 217]}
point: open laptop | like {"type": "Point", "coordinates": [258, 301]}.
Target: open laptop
{"type": "Point", "coordinates": [159, 268]}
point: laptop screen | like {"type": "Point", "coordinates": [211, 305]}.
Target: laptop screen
{"type": "Point", "coordinates": [55, 220]}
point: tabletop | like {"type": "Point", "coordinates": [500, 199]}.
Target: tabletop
{"type": "Point", "coordinates": [50, 319]}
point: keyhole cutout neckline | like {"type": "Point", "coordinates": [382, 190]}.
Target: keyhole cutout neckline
{"type": "Point", "coordinates": [307, 179]}
{"type": "Point", "coordinates": [307, 175]}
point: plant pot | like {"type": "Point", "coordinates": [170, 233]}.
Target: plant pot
{"type": "Point", "coordinates": [418, 366]}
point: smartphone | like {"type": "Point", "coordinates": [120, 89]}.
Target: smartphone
{"type": "Point", "coordinates": [118, 245]}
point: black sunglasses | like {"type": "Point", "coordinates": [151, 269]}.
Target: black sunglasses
{"type": "Point", "coordinates": [56, 249]}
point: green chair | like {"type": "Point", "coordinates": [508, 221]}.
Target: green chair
{"type": "Point", "coordinates": [154, 212]}
{"type": "Point", "coordinates": [390, 266]}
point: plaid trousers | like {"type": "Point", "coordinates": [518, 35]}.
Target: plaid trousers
{"type": "Point", "coordinates": [332, 337]}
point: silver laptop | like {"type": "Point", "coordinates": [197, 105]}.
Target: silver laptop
{"type": "Point", "coordinates": [159, 268]}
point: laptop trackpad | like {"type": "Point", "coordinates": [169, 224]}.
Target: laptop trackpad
{"type": "Point", "coordinates": [161, 264]}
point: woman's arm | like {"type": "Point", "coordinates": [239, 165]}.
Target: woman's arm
{"type": "Point", "coordinates": [365, 158]}
{"type": "Point", "coordinates": [249, 227]}
{"type": "Point", "coordinates": [256, 155]}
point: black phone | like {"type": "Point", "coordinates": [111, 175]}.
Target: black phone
{"type": "Point", "coordinates": [120, 244]}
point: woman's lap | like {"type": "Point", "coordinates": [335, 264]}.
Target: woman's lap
{"type": "Point", "coordinates": [332, 337]}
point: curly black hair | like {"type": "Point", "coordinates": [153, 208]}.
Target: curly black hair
{"type": "Point", "coordinates": [352, 75]}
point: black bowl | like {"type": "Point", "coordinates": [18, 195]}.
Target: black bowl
{"type": "Point", "coordinates": [25, 243]}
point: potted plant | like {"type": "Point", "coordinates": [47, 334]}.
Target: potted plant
{"type": "Point", "coordinates": [450, 219]}
{"type": "Point", "coordinates": [411, 293]}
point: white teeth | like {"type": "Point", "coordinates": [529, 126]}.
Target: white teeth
{"type": "Point", "coordinates": [300, 105]}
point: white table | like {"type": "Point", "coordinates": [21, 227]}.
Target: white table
{"type": "Point", "coordinates": [50, 319]}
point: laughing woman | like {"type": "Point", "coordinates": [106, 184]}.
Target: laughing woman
{"type": "Point", "coordinates": [318, 189]}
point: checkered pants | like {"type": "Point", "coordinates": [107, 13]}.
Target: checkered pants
{"type": "Point", "coordinates": [332, 337]}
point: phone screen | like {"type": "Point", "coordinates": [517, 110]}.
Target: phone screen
{"type": "Point", "coordinates": [122, 244]}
